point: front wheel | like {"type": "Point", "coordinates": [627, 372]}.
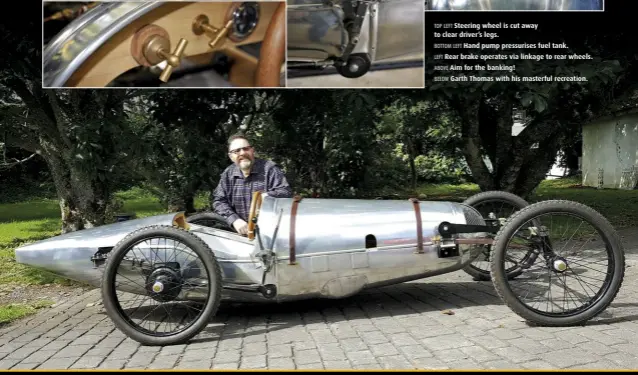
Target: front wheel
{"type": "Point", "coordinates": [162, 270]}
{"type": "Point", "coordinates": [579, 269]}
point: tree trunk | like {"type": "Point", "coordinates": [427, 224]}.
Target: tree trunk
{"type": "Point", "coordinates": [516, 166]}
{"type": "Point", "coordinates": [83, 203]}
{"type": "Point", "coordinates": [181, 202]}
{"type": "Point", "coordinates": [413, 172]}
{"type": "Point", "coordinates": [71, 217]}
{"type": "Point", "coordinates": [538, 162]}
{"type": "Point", "coordinates": [528, 167]}
{"type": "Point", "coordinates": [411, 160]}
{"type": "Point", "coordinates": [468, 112]}
{"type": "Point", "coordinates": [189, 203]}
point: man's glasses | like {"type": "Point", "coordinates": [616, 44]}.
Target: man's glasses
{"type": "Point", "coordinates": [236, 151]}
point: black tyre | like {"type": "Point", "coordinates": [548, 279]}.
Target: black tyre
{"type": "Point", "coordinates": [502, 204]}
{"type": "Point", "coordinates": [211, 220]}
{"type": "Point", "coordinates": [555, 262]}
{"type": "Point", "coordinates": [161, 277]}
{"type": "Point", "coordinates": [358, 65]}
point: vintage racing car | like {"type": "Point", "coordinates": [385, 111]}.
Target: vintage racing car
{"type": "Point", "coordinates": [177, 269]}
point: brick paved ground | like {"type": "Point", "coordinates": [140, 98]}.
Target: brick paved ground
{"type": "Point", "coordinates": [390, 328]}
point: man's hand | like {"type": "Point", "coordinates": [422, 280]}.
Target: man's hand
{"type": "Point", "coordinates": [241, 226]}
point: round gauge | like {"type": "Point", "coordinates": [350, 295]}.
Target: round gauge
{"type": "Point", "coordinates": [245, 18]}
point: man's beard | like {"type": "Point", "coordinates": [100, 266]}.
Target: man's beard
{"type": "Point", "coordinates": [245, 164]}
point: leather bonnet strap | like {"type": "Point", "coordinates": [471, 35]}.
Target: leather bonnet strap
{"type": "Point", "coordinates": [419, 225]}
{"type": "Point", "coordinates": [293, 217]}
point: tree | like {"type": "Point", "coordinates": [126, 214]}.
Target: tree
{"type": "Point", "coordinates": [324, 139]}
{"type": "Point", "coordinates": [487, 107]}
{"type": "Point", "coordinates": [425, 132]}
{"type": "Point", "coordinates": [81, 134]}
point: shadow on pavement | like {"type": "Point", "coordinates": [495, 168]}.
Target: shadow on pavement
{"type": "Point", "coordinates": [435, 303]}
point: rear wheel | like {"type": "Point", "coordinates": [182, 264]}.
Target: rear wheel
{"type": "Point", "coordinates": [493, 206]}
{"type": "Point", "coordinates": [579, 269]}
{"type": "Point", "coordinates": [170, 276]}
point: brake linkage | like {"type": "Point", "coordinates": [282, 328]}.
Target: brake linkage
{"type": "Point", "coordinates": [354, 29]}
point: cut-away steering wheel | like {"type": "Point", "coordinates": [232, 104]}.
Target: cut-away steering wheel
{"type": "Point", "coordinates": [273, 51]}
{"type": "Point", "coordinates": [255, 205]}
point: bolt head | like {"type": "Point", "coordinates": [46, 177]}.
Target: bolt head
{"type": "Point", "coordinates": [560, 265]}
{"type": "Point", "coordinates": [158, 287]}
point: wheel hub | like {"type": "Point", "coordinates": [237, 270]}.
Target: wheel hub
{"type": "Point", "coordinates": [164, 284]}
{"type": "Point", "coordinates": [559, 265]}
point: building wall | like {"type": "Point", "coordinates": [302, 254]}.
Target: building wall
{"type": "Point", "coordinates": [611, 145]}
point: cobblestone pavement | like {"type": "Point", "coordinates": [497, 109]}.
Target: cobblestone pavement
{"type": "Point", "coordinates": [398, 327]}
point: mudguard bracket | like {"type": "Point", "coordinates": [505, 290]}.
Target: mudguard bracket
{"type": "Point", "coordinates": [354, 31]}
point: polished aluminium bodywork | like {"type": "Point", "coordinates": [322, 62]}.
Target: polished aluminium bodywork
{"type": "Point", "coordinates": [341, 247]}
{"type": "Point", "coordinates": [391, 29]}
{"type": "Point", "coordinates": [64, 55]}
{"type": "Point", "coordinates": [534, 5]}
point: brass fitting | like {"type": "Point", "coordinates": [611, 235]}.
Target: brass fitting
{"type": "Point", "coordinates": [202, 25]}
{"type": "Point", "coordinates": [157, 49]}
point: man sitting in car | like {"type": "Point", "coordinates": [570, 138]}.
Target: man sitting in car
{"type": "Point", "coordinates": [248, 174]}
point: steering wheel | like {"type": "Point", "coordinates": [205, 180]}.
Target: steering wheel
{"type": "Point", "coordinates": [273, 51]}
{"type": "Point", "coordinates": [255, 205]}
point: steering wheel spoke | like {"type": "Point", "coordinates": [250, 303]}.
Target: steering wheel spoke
{"type": "Point", "coordinates": [255, 205]}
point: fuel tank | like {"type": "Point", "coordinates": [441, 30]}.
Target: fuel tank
{"type": "Point", "coordinates": [336, 247]}
{"type": "Point", "coordinates": [324, 225]}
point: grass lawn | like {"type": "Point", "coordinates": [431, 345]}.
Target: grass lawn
{"type": "Point", "coordinates": [14, 311]}
{"type": "Point", "coordinates": [617, 205]}
{"type": "Point", "coordinates": [38, 219]}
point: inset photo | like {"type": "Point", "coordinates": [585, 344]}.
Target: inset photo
{"type": "Point", "coordinates": [516, 5]}
{"type": "Point", "coordinates": [358, 43]}
{"type": "Point", "coordinates": [150, 44]}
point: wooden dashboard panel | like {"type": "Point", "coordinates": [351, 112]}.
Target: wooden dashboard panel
{"type": "Point", "coordinates": [114, 57]}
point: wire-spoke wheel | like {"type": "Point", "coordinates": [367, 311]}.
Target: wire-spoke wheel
{"type": "Point", "coordinates": [493, 206]}
{"type": "Point", "coordinates": [172, 281]}
{"type": "Point", "coordinates": [579, 267]}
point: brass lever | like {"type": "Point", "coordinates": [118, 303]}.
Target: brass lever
{"type": "Point", "coordinates": [202, 25]}
{"type": "Point", "coordinates": [158, 49]}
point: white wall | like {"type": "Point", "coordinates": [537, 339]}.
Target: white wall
{"type": "Point", "coordinates": [612, 145]}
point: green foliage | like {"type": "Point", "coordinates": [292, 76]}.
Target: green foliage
{"type": "Point", "coordinates": [437, 168]}
{"type": "Point", "coordinates": [422, 132]}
